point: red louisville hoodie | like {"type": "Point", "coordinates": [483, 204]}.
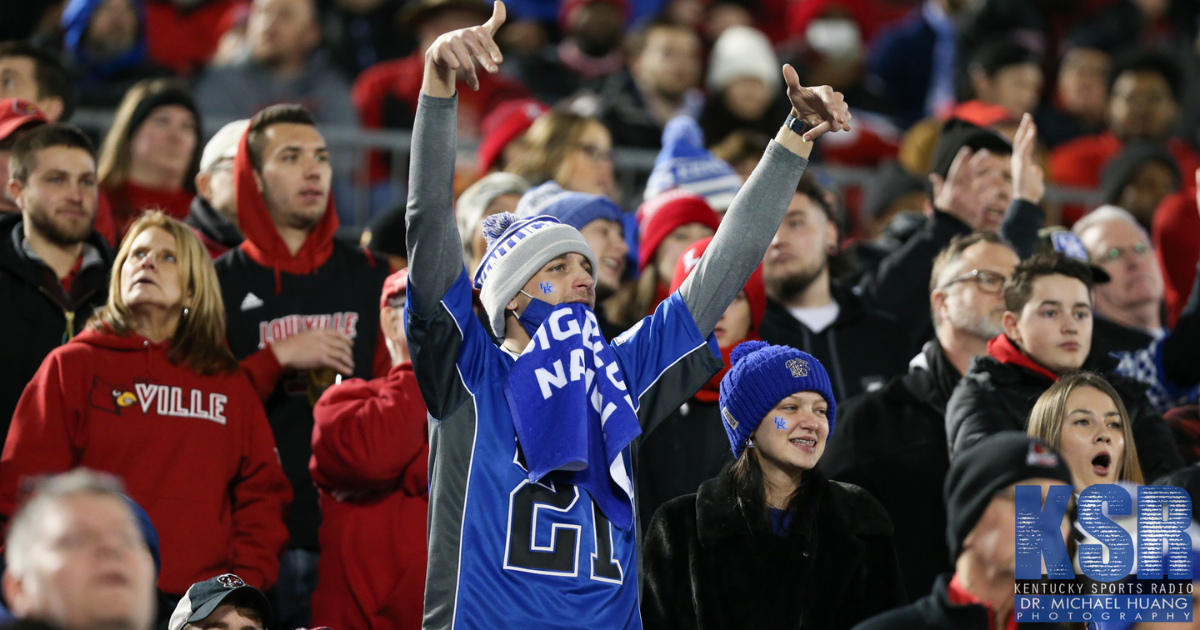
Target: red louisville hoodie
{"type": "Point", "coordinates": [370, 460]}
{"type": "Point", "coordinates": [194, 451]}
{"type": "Point", "coordinates": [271, 295]}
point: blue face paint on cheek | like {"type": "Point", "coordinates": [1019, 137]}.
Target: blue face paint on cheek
{"type": "Point", "coordinates": [780, 423]}
{"type": "Point", "coordinates": [546, 288]}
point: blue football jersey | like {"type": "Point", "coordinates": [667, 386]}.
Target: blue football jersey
{"type": "Point", "coordinates": [505, 552]}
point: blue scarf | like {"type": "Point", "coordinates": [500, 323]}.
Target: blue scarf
{"type": "Point", "coordinates": [571, 408]}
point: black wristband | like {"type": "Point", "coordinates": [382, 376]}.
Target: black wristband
{"type": "Point", "coordinates": [799, 127]}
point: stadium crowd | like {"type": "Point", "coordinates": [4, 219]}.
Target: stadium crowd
{"type": "Point", "coordinates": [536, 393]}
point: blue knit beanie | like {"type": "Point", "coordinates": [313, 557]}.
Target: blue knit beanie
{"type": "Point", "coordinates": [684, 163]}
{"type": "Point", "coordinates": [761, 376]}
{"type": "Point", "coordinates": [575, 209]}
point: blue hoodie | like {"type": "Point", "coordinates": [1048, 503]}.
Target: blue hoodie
{"type": "Point", "coordinates": [75, 19]}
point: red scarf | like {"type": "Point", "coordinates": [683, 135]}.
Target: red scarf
{"type": "Point", "coordinates": [1005, 351]}
{"type": "Point", "coordinates": [711, 391]}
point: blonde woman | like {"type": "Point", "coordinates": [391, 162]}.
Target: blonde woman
{"type": "Point", "coordinates": [573, 150]}
{"type": "Point", "coordinates": [149, 392]}
{"type": "Point", "coordinates": [151, 154]}
{"type": "Point", "coordinates": [1083, 418]}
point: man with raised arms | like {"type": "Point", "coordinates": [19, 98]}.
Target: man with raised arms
{"type": "Point", "coordinates": [530, 514]}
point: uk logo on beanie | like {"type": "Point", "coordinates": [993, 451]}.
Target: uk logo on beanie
{"type": "Point", "coordinates": [761, 376]}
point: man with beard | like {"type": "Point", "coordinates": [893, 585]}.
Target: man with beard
{"type": "Point", "coordinates": [300, 310]}
{"type": "Point", "coordinates": [860, 347]}
{"type": "Point", "coordinates": [902, 426]}
{"type": "Point", "coordinates": [664, 71]}
{"type": "Point", "coordinates": [53, 265]}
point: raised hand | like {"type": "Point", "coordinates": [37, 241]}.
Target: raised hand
{"type": "Point", "coordinates": [824, 110]}
{"type": "Point", "coordinates": [459, 51]}
{"type": "Point", "coordinates": [1028, 179]}
{"type": "Point", "coordinates": [970, 186]}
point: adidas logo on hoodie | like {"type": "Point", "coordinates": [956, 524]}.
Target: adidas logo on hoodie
{"type": "Point", "coordinates": [252, 301]}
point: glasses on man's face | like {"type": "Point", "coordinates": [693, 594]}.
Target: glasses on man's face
{"type": "Point", "coordinates": [1137, 250]}
{"type": "Point", "coordinates": [988, 281]}
{"type": "Point", "coordinates": [595, 153]}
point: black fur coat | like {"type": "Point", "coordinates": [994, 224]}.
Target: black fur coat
{"type": "Point", "coordinates": [703, 566]}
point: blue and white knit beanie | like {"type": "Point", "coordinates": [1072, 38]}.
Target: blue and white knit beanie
{"type": "Point", "coordinates": [516, 249]}
{"type": "Point", "coordinates": [575, 209]}
{"type": "Point", "coordinates": [684, 163]}
{"type": "Point", "coordinates": [760, 377]}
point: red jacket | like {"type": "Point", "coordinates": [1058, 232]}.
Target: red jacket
{"type": "Point", "coordinates": [129, 201]}
{"type": "Point", "coordinates": [386, 95]}
{"type": "Point", "coordinates": [184, 39]}
{"type": "Point", "coordinates": [1176, 237]}
{"type": "Point", "coordinates": [370, 457]}
{"type": "Point", "coordinates": [195, 451]}
{"type": "Point", "coordinates": [1080, 162]}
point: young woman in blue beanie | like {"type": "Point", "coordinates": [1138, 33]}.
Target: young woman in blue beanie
{"type": "Point", "coordinates": [771, 543]}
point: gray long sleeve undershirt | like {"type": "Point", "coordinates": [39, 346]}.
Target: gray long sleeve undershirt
{"type": "Point", "coordinates": [434, 245]}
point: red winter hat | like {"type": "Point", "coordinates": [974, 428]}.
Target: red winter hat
{"type": "Point", "coordinates": [393, 286]}
{"type": "Point", "coordinates": [756, 293]}
{"type": "Point", "coordinates": [16, 113]}
{"type": "Point", "coordinates": [660, 216]}
{"type": "Point", "coordinates": [502, 126]}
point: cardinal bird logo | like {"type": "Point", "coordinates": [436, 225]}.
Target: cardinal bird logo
{"type": "Point", "coordinates": [111, 398]}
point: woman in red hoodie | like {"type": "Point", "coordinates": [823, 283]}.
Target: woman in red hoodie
{"type": "Point", "coordinates": [690, 446]}
{"type": "Point", "coordinates": [149, 392]}
{"type": "Point", "coordinates": [370, 461]}
{"type": "Point", "coordinates": [151, 154]}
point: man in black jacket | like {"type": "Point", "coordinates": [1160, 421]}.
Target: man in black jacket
{"type": "Point", "coordinates": [53, 265]}
{"type": "Point", "coordinates": [902, 427]}
{"type": "Point", "coordinates": [981, 532]}
{"type": "Point", "coordinates": [979, 182]}
{"type": "Point", "coordinates": [288, 279]}
{"type": "Point", "coordinates": [1047, 333]}
{"type": "Point", "coordinates": [860, 347]}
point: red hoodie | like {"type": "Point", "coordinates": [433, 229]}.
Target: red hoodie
{"type": "Point", "coordinates": [264, 246]}
{"type": "Point", "coordinates": [370, 457]}
{"type": "Point", "coordinates": [195, 451]}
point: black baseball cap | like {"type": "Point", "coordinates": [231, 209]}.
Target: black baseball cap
{"type": "Point", "coordinates": [204, 597]}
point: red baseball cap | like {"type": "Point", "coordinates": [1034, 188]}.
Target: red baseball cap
{"type": "Point", "coordinates": [502, 126]}
{"type": "Point", "coordinates": [16, 113]}
{"type": "Point", "coordinates": [393, 286]}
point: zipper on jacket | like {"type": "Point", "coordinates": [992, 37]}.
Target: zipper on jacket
{"type": "Point", "coordinates": [69, 314]}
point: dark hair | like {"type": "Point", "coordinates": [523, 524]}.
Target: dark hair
{"type": "Point", "coordinates": [256, 135]}
{"type": "Point", "coordinates": [1020, 286]}
{"type": "Point", "coordinates": [954, 251]}
{"type": "Point", "coordinates": [749, 496]}
{"type": "Point", "coordinates": [23, 160]}
{"type": "Point", "coordinates": [957, 134]}
{"type": "Point", "coordinates": [1000, 53]}
{"type": "Point", "coordinates": [49, 74]}
{"type": "Point", "coordinates": [1139, 60]}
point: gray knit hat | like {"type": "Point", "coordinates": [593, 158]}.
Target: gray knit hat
{"type": "Point", "coordinates": [517, 249]}
{"type": "Point", "coordinates": [473, 202]}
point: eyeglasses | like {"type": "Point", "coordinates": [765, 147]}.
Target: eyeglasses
{"type": "Point", "coordinates": [595, 153]}
{"type": "Point", "coordinates": [1114, 254]}
{"type": "Point", "coordinates": [988, 281]}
